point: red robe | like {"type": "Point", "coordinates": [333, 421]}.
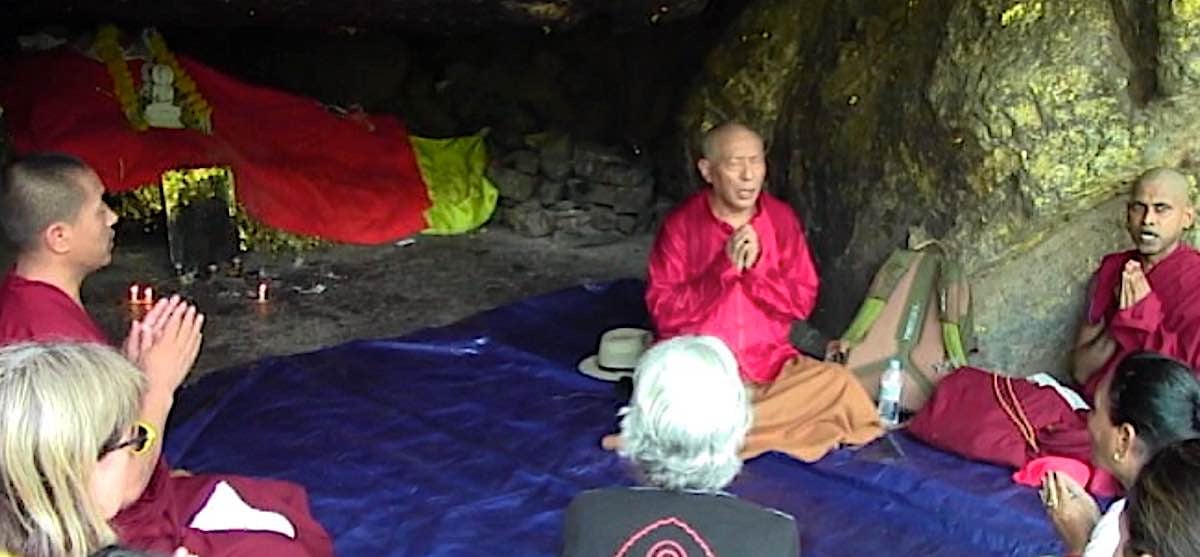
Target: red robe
{"type": "Point", "coordinates": [158, 520]}
{"type": "Point", "coordinates": [297, 166]}
{"type": "Point", "coordinates": [1166, 321]}
{"type": "Point", "coordinates": [32, 310]}
{"type": "Point", "coordinates": [965, 418]}
{"type": "Point", "coordinates": [694, 288]}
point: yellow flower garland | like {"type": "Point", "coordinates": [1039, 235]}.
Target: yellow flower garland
{"type": "Point", "coordinates": [197, 113]}
{"type": "Point", "coordinates": [109, 50]}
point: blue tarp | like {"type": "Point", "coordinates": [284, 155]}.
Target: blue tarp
{"type": "Point", "coordinates": [471, 439]}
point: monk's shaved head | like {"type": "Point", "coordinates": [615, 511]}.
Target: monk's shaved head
{"type": "Point", "coordinates": [714, 140]}
{"type": "Point", "coordinates": [1171, 182]}
{"type": "Point", "coordinates": [37, 191]}
{"type": "Point", "coordinates": [735, 165]}
{"type": "Point", "coordinates": [1160, 209]}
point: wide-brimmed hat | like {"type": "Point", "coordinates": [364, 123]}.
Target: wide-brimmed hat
{"type": "Point", "coordinates": [617, 355]}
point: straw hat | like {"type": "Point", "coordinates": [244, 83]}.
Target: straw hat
{"type": "Point", "coordinates": [617, 355]}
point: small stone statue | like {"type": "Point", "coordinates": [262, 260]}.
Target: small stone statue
{"type": "Point", "coordinates": [158, 86]}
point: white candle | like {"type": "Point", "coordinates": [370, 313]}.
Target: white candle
{"type": "Point", "coordinates": [262, 292]}
{"type": "Point", "coordinates": [134, 294]}
{"type": "Point", "coordinates": [148, 299]}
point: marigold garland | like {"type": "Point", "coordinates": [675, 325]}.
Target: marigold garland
{"type": "Point", "coordinates": [108, 48]}
{"type": "Point", "coordinates": [197, 113]}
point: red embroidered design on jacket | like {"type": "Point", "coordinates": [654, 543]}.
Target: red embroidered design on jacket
{"type": "Point", "coordinates": [667, 547]}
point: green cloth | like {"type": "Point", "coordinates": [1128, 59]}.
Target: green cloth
{"type": "Point", "coordinates": [454, 171]}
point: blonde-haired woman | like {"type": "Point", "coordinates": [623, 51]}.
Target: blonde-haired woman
{"type": "Point", "coordinates": [68, 432]}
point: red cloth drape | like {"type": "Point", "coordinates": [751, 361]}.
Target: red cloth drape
{"type": "Point", "coordinates": [297, 166]}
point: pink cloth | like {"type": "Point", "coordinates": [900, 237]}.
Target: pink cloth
{"type": "Point", "coordinates": [693, 288]}
{"type": "Point", "coordinates": [1032, 473]}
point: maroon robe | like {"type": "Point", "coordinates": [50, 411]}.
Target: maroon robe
{"type": "Point", "coordinates": [1166, 321]}
{"type": "Point", "coordinates": [158, 520]}
{"type": "Point", "coordinates": [965, 417]}
{"type": "Point", "coordinates": [32, 310]}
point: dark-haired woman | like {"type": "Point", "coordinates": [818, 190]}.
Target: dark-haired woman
{"type": "Point", "coordinates": [1163, 515]}
{"type": "Point", "coordinates": [1150, 402]}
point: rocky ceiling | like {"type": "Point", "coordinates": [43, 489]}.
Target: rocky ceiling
{"type": "Point", "coordinates": [429, 16]}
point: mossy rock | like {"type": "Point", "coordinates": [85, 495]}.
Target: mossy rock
{"type": "Point", "coordinates": [1007, 128]}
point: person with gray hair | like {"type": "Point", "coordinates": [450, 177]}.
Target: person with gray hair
{"type": "Point", "coordinates": [732, 261]}
{"type": "Point", "coordinates": [682, 431]}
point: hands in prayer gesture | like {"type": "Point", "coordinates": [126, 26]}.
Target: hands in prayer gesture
{"type": "Point", "coordinates": [743, 248]}
{"type": "Point", "coordinates": [166, 342]}
{"type": "Point", "coordinates": [1134, 286]}
{"type": "Point", "coordinates": [1073, 512]}
{"type": "Point", "coordinates": [837, 351]}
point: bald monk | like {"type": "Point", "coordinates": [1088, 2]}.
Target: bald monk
{"type": "Point", "coordinates": [1143, 299]}
{"type": "Point", "coordinates": [1146, 298]}
{"type": "Point", "coordinates": [732, 261]}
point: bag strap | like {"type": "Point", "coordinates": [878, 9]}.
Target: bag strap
{"type": "Point", "coordinates": [956, 319]}
{"type": "Point", "coordinates": [1012, 408]}
{"type": "Point", "coordinates": [882, 286]}
{"type": "Point", "coordinates": [916, 306]}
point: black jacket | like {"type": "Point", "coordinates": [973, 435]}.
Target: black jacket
{"type": "Point", "coordinates": [620, 522]}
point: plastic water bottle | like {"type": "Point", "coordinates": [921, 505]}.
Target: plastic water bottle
{"type": "Point", "coordinates": [890, 386]}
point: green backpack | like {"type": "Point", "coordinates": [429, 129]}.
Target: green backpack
{"type": "Point", "coordinates": [918, 310]}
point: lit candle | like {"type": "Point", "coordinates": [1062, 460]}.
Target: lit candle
{"type": "Point", "coordinates": [134, 292]}
{"type": "Point", "coordinates": [148, 299]}
{"type": "Point", "coordinates": [262, 292]}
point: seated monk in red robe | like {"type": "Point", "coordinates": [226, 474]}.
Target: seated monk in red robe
{"type": "Point", "coordinates": [732, 261]}
{"type": "Point", "coordinates": [1144, 299]}
{"type": "Point", "coordinates": [1147, 298]}
{"type": "Point", "coordinates": [51, 208]}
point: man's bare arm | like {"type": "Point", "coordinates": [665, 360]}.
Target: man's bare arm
{"type": "Point", "coordinates": [1093, 347]}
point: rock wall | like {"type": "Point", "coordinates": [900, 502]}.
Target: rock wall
{"type": "Point", "coordinates": [442, 17]}
{"type": "Point", "coordinates": [578, 193]}
{"type": "Point", "coordinates": [1007, 128]}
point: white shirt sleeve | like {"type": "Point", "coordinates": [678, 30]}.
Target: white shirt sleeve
{"type": "Point", "coordinates": [1106, 536]}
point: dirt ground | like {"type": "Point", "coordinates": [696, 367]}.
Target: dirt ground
{"type": "Point", "coordinates": [369, 292]}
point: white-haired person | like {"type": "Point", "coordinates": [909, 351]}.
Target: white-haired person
{"type": "Point", "coordinates": [68, 434]}
{"type": "Point", "coordinates": [682, 432]}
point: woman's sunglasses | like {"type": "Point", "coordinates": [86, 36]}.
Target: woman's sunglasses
{"type": "Point", "coordinates": [143, 438]}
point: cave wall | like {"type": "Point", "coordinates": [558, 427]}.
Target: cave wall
{"type": "Point", "coordinates": [1010, 129]}
{"type": "Point", "coordinates": [603, 79]}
